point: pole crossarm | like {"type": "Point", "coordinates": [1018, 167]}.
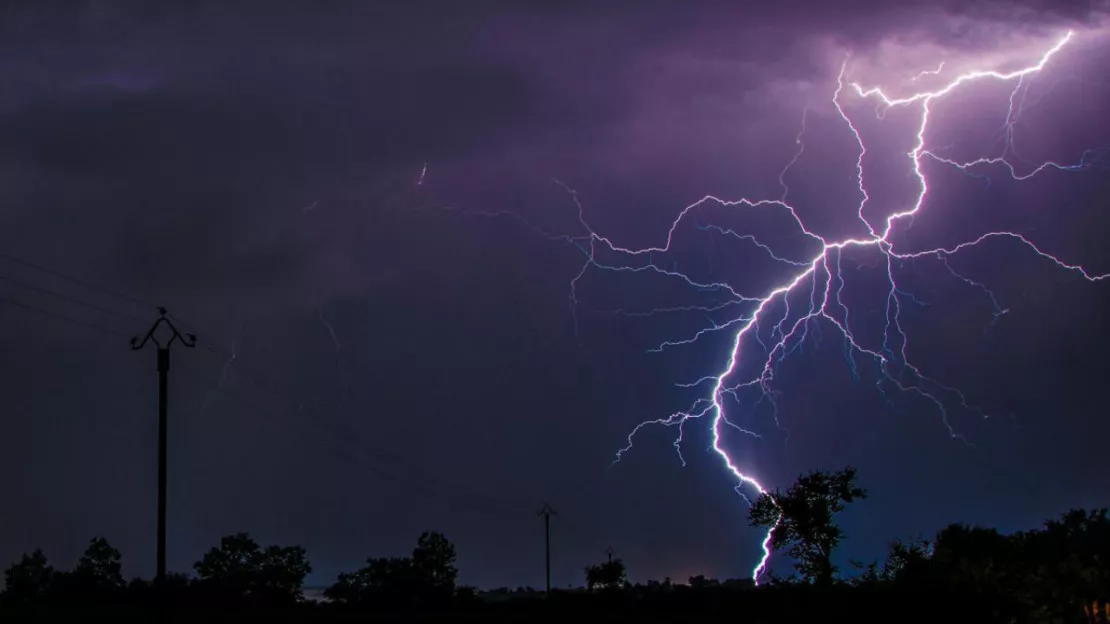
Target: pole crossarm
{"type": "Point", "coordinates": [187, 340]}
{"type": "Point", "coordinates": [546, 510]}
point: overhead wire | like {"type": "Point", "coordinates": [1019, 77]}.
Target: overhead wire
{"type": "Point", "coordinates": [449, 488]}
{"type": "Point", "coordinates": [346, 435]}
{"type": "Point", "coordinates": [76, 280]}
{"type": "Point", "coordinates": [61, 317]}
{"type": "Point", "coordinates": [70, 299]}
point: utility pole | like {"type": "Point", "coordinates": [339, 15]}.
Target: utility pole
{"type": "Point", "coordinates": [189, 341]}
{"type": "Point", "coordinates": [547, 512]}
{"type": "Point", "coordinates": [610, 552]}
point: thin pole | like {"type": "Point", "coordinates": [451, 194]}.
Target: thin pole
{"type": "Point", "coordinates": [189, 341]}
{"type": "Point", "coordinates": [547, 552]}
{"type": "Point", "coordinates": [163, 449]}
{"type": "Point", "coordinates": [546, 511]}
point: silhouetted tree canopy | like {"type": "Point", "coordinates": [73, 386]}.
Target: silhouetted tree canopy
{"type": "Point", "coordinates": [906, 558]}
{"type": "Point", "coordinates": [1049, 573]}
{"type": "Point", "coordinates": [433, 560]}
{"type": "Point", "coordinates": [239, 568]}
{"type": "Point", "coordinates": [29, 579]}
{"type": "Point", "coordinates": [101, 567]}
{"type": "Point", "coordinates": [608, 575]}
{"type": "Point", "coordinates": [802, 519]}
{"type": "Point", "coordinates": [1054, 574]}
{"type": "Point", "coordinates": [427, 577]}
{"type": "Point", "coordinates": [96, 578]}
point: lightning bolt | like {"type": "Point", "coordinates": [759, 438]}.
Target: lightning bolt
{"type": "Point", "coordinates": [231, 357]}
{"type": "Point", "coordinates": [929, 72]}
{"type": "Point", "coordinates": [329, 328]}
{"type": "Point", "coordinates": [227, 366]}
{"type": "Point", "coordinates": [778, 321]}
{"type": "Point", "coordinates": [339, 369]}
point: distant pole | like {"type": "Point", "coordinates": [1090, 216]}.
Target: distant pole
{"type": "Point", "coordinates": [189, 341]}
{"type": "Point", "coordinates": [546, 511]}
{"type": "Point", "coordinates": [610, 552]}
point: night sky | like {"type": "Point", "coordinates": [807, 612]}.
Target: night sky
{"type": "Point", "coordinates": [362, 209]}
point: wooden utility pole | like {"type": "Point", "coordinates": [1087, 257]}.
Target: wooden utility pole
{"type": "Point", "coordinates": [189, 341]}
{"type": "Point", "coordinates": [547, 512]}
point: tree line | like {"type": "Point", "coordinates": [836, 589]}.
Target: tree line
{"type": "Point", "coordinates": [1059, 572]}
{"type": "Point", "coordinates": [238, 572]}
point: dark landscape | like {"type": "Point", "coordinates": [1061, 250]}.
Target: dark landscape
{"type": "Point", "coordinates": [1055, 573]}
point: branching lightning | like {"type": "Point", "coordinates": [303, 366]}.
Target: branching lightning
{"type": "Point", "coordinates": [775, 322]}
{"type": "Point", "coordinates": [779, 320]}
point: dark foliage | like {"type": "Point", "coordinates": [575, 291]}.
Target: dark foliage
{"type": "Point", "coordinates": [28, 580]}
{"type": "Point", "coordinates": [239, 570]}
{"type": "Point", "coordinates": [425, 578]}
{"type": "Point", "coordinates": [802, 520]}
{"type": "Point", "coordinates": [1055, 574]}
{"type": "Point", "coordinates": [608, 575]}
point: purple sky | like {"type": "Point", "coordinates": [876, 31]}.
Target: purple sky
{"type": "Point", "coordinates": [255, 168]}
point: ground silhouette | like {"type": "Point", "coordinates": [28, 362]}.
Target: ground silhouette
{"type": "Point", "coordinates": [1059, 572]}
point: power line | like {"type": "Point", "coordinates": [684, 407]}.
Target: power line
{"type": "Point", "coordinates": [70, 299]}
{"type": "Point", "coordinates": [268, 386]}
{"type": "Point", "coordinates": [76, 280]}
{"type": "Point", "coordinates": [62, 317]}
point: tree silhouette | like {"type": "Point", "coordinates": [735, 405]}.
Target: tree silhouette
{"type": "Point", "coordinates": [100, 568]}
{"type": "Point", "coordinates": [906, 560]}
{"type": "Point", "coordinates": [608, 575]}
{"type": "Point", "coordinates": [230, 568]}
{"type": "Point", "coordinates": [427, 577]}
{"type": "Point", "coordinates": [802, 519]}
{"type": "Point", "coordinates": [382, 580]}
{"type": "Point", "coordinates": [281, 573]}
{"type": "Point", "coordinates": [29, 579]}
{"type": "Point", "coordinates": [1067, 563]}
{"type": "Point", "coordinates": [700, 581]}
{"type": "Point", "coordinates": [96, 578]}
{"type": "Point", "coordinates": [433, 561]}
{"type": "Point", "coordinates": [239, 568]}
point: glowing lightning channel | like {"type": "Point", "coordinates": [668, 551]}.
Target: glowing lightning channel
{"type": "Point", "coordinates": [330, 329]}
{"type": "Point", "coordinates": [227, 366]}
{"type": "Point", "coordinates": [929, 72]}
{"type": "Point", "coordinates": [825, 281]}
{"type": "Point", "coordinates": [821, 273]}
